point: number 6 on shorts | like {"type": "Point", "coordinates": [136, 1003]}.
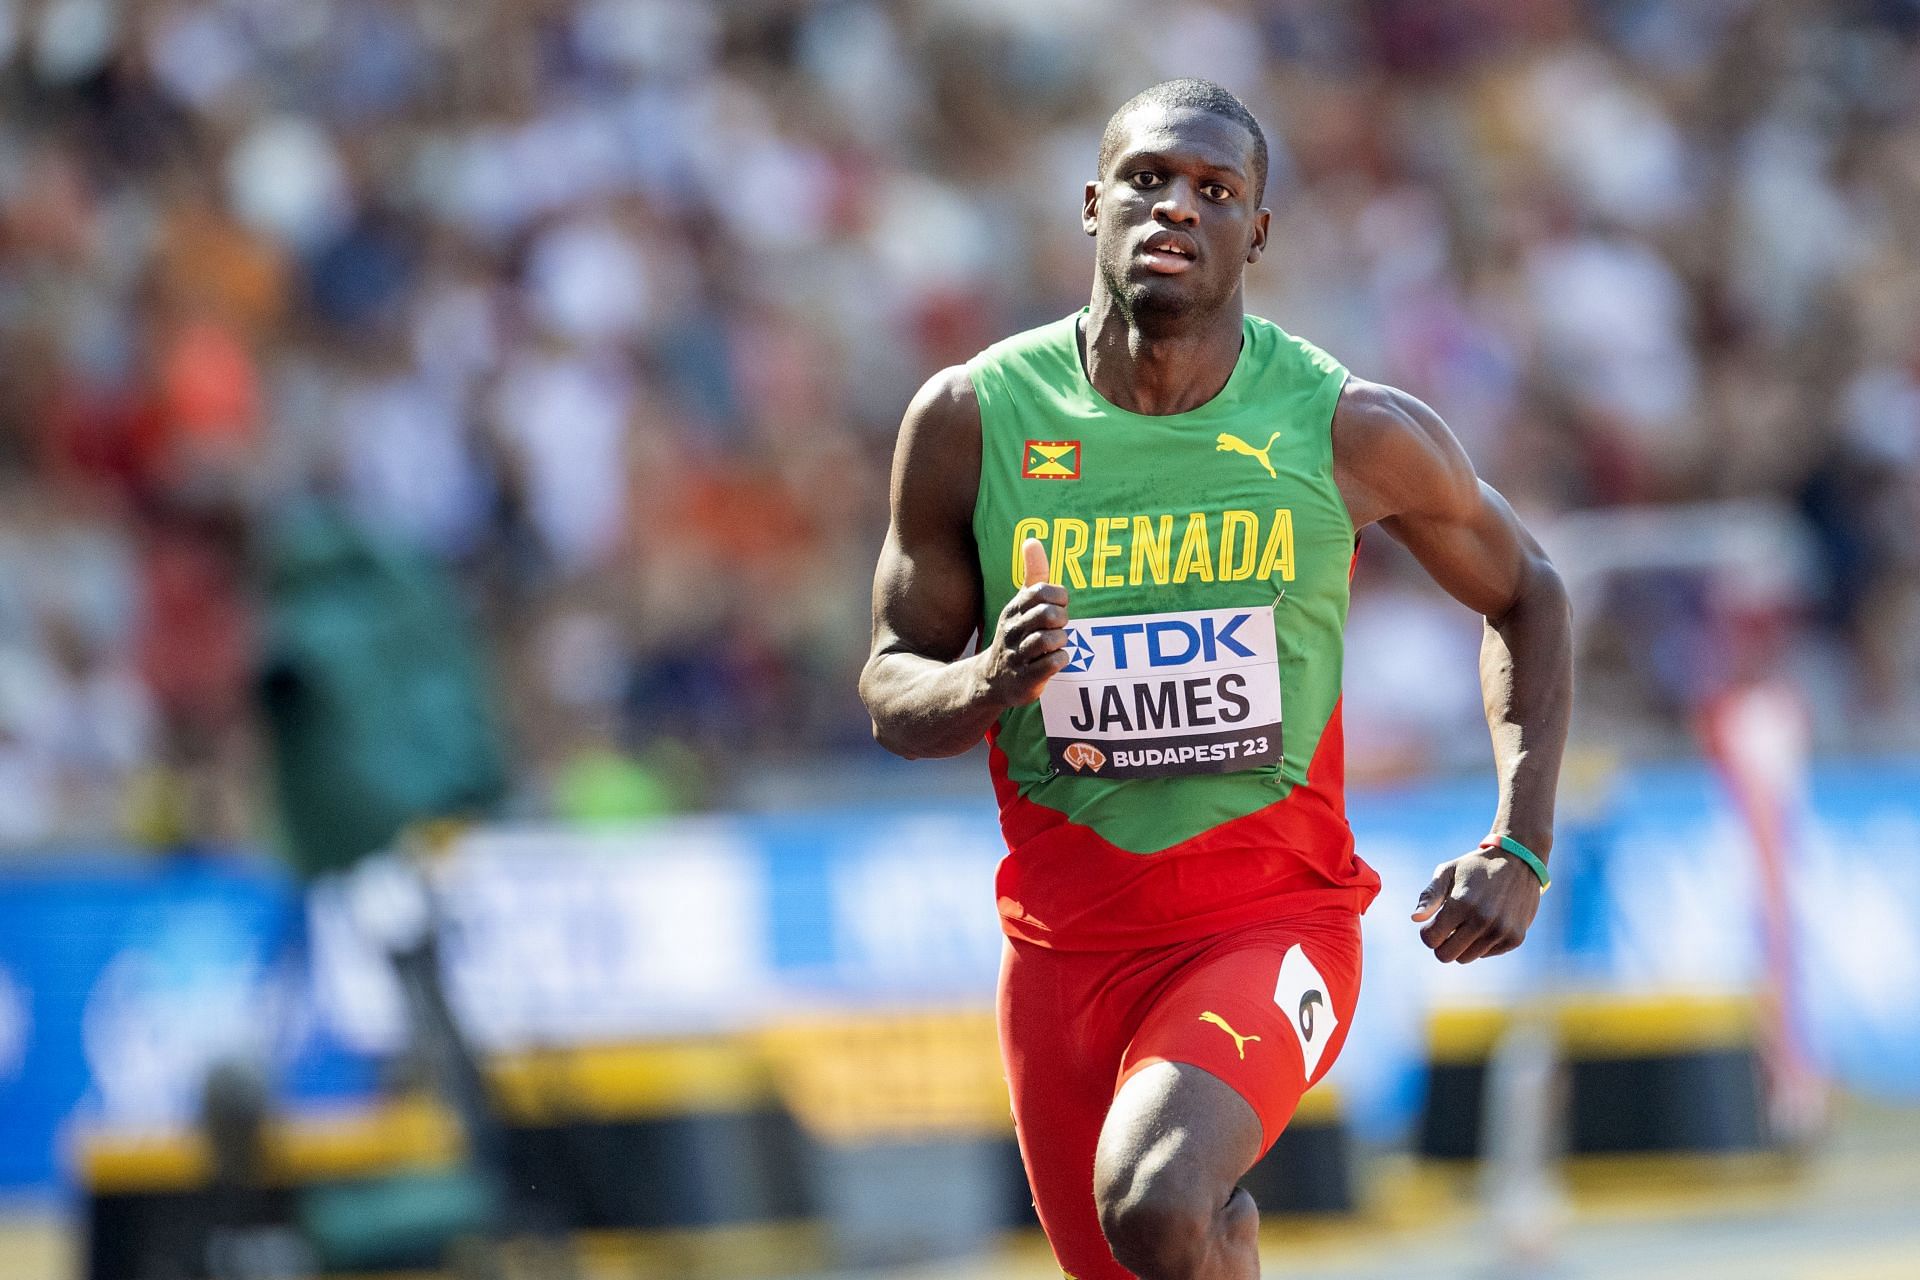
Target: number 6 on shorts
{"type": "Point", "coordinates": [1302, 995]}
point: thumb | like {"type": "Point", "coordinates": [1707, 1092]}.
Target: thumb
{"type": "Point", "coordinates": [1035, 557]}
{"type": "Point", "coordinates": [1435, 895]}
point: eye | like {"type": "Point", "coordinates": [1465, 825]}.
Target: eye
{"type": "Point", "coordinates": [1145, 179]}
{"type": "Point", "coordinates": [1216, 191]}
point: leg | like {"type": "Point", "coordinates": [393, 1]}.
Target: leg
{"type": "Point", "coordinates": [1212, 1075]}
{"type": "Point", "coordinates": [1061, 1061]}
{"type": "Point", "coordinates": [1176, 1141]}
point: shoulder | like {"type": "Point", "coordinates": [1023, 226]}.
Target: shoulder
{"type": "Point", "coordinates": [936, 462]}
{"type": "Point", "coordinates": [1372, 416]}
{"type": "Point", "coordinates": [1276, 344]}
{"type": "Point", "coordinates": [948, 393]}
{"type": "Point", "coordinates": [1393, 455]}
{"type": "Point", "coordinates": [1047, 341]}
{"type": "Point", "coordinates": [944, 413]}
{"type": "Point", "coordinates": [1048, 354]}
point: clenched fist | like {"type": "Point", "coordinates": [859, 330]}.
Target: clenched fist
{"type": "Point", "coordinates": [1481, 904]}
{"type": "Point", "coordinates": [1029, 642]}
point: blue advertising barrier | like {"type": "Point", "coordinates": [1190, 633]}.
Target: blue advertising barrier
{"type": "Point", "coordinates": [122, 979]}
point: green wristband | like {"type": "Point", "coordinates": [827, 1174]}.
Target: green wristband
{"type": "Point", "coordinates": [1520, 851]}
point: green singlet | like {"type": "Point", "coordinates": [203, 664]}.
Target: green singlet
{"type": "Point", "coordinates": [1206, 557]}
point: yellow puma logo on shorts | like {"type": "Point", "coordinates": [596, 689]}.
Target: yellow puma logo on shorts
{"type": "Point", "coordinates": [1231, 443]}
{"type": "Point", "coordinates": [1240, 1042]}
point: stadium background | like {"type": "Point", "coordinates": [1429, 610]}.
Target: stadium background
{"type": "Point", "coordinates": [610, 308]}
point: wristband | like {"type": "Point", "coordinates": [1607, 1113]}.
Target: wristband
{"type": "Point", "coordinates": [1509, 845]}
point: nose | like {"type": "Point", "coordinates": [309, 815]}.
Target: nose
{"type": "Point", "coordinates": [1178, 204]}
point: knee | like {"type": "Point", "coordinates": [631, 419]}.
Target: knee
{"type": "Point", "coordinates": [1160, 1224]}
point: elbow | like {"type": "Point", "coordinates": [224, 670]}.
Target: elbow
{"type": "Point", "coordinates": [886, 729]}
{"type": "Point", "coordinates": [887, 738]}
{"type": "Point", "coordinates": [1552, 591]}
{"type": "Point", "coordinates": [1549, 589]}
{"type": "Point", "coordinates": [1542, 598]}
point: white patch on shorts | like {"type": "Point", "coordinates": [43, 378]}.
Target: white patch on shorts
{"type": "Point", "coordinates": [1307, 1002]}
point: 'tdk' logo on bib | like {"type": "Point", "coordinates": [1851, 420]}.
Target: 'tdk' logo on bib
{"type": "Point", "coordinates": [1160, 695]}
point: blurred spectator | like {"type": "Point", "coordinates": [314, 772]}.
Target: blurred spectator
{"type": "Point", "coordinates": [612, 307]}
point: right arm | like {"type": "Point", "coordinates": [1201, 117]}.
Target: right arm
{"type": "Point", "coordinates": [925, 698]}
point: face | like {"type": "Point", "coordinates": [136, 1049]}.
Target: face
{"type": "Point", "coordinates": [1173, 217]}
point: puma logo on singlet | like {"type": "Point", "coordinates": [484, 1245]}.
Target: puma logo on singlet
{"type": "Point", "coordinates": [1240, 1042]}
{"type": "Point", "coordinates": [1231, 443]}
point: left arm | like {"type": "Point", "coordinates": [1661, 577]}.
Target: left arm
{"type": "Point", "coordinates": [1398, 465]}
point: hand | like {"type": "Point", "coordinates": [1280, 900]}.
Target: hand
{"type": "Point", "coordinates": [1030, 640]}
{"type": "Point", "coordinates": [1480, 904]}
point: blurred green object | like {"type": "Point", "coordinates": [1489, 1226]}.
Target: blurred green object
{"type": "Point", "coordinates": [602, 787]}
{"type": "Point", "coordinates": [406, 1220]}
{"type": "Point", "coordinates": [374, 691]}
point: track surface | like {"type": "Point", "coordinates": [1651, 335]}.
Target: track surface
{"type": "Point", "coordinates": [1852, 1213]}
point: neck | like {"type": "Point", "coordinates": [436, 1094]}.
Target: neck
{"type": "Point", "coordinates": [1159, 369]}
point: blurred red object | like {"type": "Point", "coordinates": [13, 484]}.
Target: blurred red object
{"type": "Point", "coordinates": [209, 388]}
{"type": "Point", "coordinates": [196, 632]}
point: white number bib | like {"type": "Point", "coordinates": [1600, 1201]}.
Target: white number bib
{"type": "Point", "coordinates": [1157, 695]}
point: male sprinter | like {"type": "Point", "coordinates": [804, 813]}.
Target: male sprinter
{"type": "Point", "coordinates": [1147, 513]}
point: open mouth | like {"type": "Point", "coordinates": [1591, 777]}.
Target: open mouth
{"type": "Point", "coordinates": [1168, 252]}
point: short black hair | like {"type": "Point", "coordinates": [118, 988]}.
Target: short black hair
{"type": "Point", "coordinates": [1201, 95]}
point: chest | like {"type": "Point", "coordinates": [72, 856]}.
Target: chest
{"type": "Point", "coordinates": [1139, 516]}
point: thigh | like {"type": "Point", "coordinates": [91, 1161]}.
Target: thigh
{"type": "Point", "coordinates": [1265, 1010]}
{"type": "Point", "coordinates": [1062, 1054]}
{"type": "Point", "coordinates": [1176, 1142]}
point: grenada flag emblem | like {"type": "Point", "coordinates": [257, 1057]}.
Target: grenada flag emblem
{"type": "Point", "coordinates": [1051, 460]}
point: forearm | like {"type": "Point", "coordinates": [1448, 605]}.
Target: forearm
{"type": "Point", "coordinates": [924, 707]}
{"type": "Point", "coordinates": [1526, 679]}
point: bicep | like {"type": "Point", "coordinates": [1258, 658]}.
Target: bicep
{"type": "Point", "coordinates": [926, 587]}
{"type": "Point", "coordinates": [925, 599]}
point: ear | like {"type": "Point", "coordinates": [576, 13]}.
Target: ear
{"type": "Point", "coordinates": [1090, 211]}
{"type": "Point", "coordinates": [1261, 217]}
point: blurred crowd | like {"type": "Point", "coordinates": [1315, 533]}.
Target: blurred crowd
{"type": "Point", "coordinates": [613, 306]}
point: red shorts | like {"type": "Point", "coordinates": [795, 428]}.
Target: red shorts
{"type": "Point", "coordinates": [1265, 1008]}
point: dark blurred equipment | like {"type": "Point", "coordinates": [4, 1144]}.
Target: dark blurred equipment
{"type": "Point", "coordinates": [1673, 1076]}
{"type": "Point", "coordinates": [252, 1196]}
{"type": "Point", "coordinates": [384, 738]}
{"type": "Point", "coordinates": [248, 1237]}
{"type": "Point", "coordinates": [679, 1157]}
{"type": "Point", "coordinates": [373, 692]}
